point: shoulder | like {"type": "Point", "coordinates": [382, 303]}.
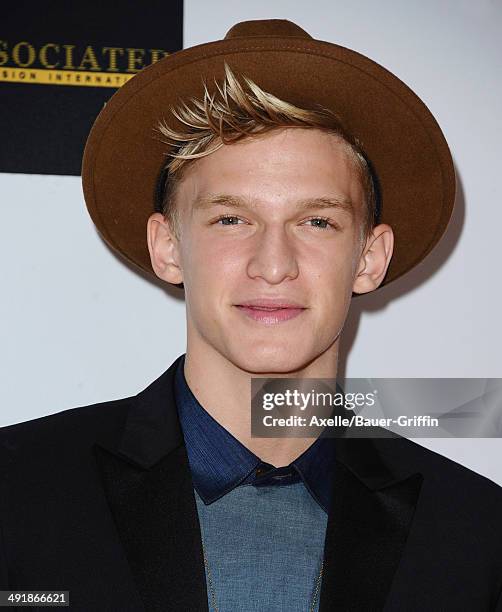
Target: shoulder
{"type": "Point", "coordinates": [64, 431]}
{"type": "Point", "coordinates": [449, 489]}
{"type": "Point", "coordinates": [405, 454]}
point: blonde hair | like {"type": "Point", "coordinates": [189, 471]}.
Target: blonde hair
{"type": "Point", "coordinates": [233, 112]}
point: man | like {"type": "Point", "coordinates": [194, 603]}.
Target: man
{"type": "Point", "coordinates": [300, 174]}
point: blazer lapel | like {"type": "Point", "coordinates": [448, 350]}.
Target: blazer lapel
{"type": "Point", "coordinates": [368, 525]}
{"type": "Point", "coordinates": [147, 483]}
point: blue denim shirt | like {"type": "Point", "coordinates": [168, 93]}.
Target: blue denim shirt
{"type": "Point", "coordinates": [262, 527]}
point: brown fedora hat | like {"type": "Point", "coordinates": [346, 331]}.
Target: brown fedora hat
{"type": "Point", "coordinates": [123, 156]}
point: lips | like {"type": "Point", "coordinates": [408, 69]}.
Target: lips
{"type": "Point", "coordinates": [270, 311]}
{"type": "Point", "coordinates": [277, 302]}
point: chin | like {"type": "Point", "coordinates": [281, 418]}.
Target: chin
{"type": "Point", "coordinates": [271, 359]}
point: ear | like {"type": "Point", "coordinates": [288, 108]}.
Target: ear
{"type": "Point", "coordinates": [374, 259]}
{"type": "Point", "coordinates": [163, 246]}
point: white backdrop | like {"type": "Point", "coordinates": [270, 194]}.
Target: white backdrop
{"type": "Point", "coordinates": [78, 326]}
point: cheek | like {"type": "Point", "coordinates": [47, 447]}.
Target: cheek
{"type": "Point", "coordinates": [221, 256]}
{"type": "Point", "coordinates": [211, 265]}
{"type": "Point", "coordinates": [332, 267]}
{"type": "Point", "coordinates": [331, 282]}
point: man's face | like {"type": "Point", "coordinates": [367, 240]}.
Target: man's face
{"type": "Point", "coordinates": [270, 242]}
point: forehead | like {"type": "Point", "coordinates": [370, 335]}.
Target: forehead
{"type": "Point", "coordinates": [276, 167]}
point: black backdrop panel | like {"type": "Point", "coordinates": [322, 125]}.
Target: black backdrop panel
{"type": "Point", "coordinates": [61, 61]}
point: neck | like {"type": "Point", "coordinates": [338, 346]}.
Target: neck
{"type": "Point", "coordinates": [207, 373]}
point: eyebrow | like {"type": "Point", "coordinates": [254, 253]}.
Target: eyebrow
{"type": "Point", "coordinates": [212, 200]}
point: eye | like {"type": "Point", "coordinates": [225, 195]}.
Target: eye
{"type": "Point", "coordinates": [321, 223]}
{"type": "Point", "coordinates": [228, 220]}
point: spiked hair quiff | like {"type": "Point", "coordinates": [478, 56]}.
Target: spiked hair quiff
{"type": "Point", "coordinates": [235, 111]}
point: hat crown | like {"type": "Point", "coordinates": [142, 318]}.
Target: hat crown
{"type": "Point", "coordinates": [266, 27]}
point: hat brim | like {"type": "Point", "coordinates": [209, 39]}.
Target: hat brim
{"type": "Point", "coordinates": [405, 145]}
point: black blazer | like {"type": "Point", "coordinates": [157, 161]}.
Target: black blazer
{"type": "Point", "coordinates": [98, 500]}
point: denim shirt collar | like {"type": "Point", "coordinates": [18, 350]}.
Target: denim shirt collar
{"type": "Point", "coordinates": [219, 462]}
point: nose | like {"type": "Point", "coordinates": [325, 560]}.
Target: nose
{"type": "Point", "coordinates": [274, 258]}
